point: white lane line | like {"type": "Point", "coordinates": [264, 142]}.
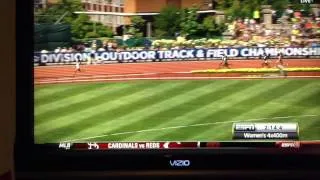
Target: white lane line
{"type": "Point", "coordinates": [110, 75]}
{"type": "Point", "coordinates": [166, 78]}
{"type": "Point", "coordinates": [185, 126]}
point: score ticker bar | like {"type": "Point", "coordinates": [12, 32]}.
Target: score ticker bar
{"type": "Point", "coordinates": [105, 146]}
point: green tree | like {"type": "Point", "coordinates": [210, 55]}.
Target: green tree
{"type": "Point", "coordinates": [137, 25]}
{"type": "Point", "coordinates": [224, 4]}
{"type": "Point", "coordinates": [81, 25]}
{"type": "Point", "coordinates": [235, 9]}
{"type": "Point", "coordinates": [54, 12]}
{"type": "Point", "coordinates": [103, 31]}
{"type": "Point", "coordinates": [189, 24]}
{"type": "Point", "coordinates": [240, 8]}
{"type": "Point", "coordinates": [167, 23]}
{"type": "Point", "coordinates": [211, 28]}
{"type": "Point", "coordinates": [244, 8]}
{"type": "Point", "coordinates": [46, 16]}
{"type": "Point", "coordinates": [280, 6]}
{"type": "Point", "coordinates": [296, 6]}
{"type": "Point", "coordinates": [91, 35]}
{"type": "Point", "coordinates": [138, 22]}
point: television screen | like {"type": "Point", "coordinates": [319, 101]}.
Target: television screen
{"type": "Point", "coordinates": [177, 74]}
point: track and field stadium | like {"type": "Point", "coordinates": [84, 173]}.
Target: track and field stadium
{"type": "Point", "coordinates": [165, 101]}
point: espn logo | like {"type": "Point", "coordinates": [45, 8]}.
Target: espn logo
{"type": "Point", "coordinates": [244, 127]}
{"type": "Point", "coordinates": [306, 1]}
{"type": "Point", "coordinates": [289, 144]}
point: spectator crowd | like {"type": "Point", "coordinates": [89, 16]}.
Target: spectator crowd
{"type": "Point", "coordinates": [293, 28]}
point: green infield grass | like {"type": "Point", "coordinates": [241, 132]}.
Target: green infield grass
{"type": "Point", "coordinates": [175, 110]}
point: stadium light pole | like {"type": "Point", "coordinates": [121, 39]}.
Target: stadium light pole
{"type": "Point", "coordinates": [58, 21]}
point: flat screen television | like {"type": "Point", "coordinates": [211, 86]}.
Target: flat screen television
{"type": "Point", "coordinates": [139, 86]}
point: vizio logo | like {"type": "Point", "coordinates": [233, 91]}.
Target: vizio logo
{"type": "Point", "coordinates": [180, 163]}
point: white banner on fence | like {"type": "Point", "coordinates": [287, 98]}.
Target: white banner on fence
{"type": "Point", "coordinates": [172, 54]}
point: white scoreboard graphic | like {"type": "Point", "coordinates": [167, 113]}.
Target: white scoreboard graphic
{"type": "Point", "coordinates": [265, 131]}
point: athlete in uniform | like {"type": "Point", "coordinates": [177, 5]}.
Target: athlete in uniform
{"type": "Point", "coordinates": [93, 56]}
{"type": "Point", "coordinates": [224, 62]}
{"type": "Point", "coordinates": [265, 60]}
{"type": "Point", "coordinates": [77, 68]}
{"type": "Point", "coordinates": [280, 61]}
{"type": "Point", "coordinates": [280, 64]}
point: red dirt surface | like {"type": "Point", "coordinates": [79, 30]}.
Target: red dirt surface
{"type": "Point", "coordinates": [66, 73]}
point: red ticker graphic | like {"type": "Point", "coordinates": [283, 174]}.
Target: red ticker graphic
{"type": "Point", "coordinates": [213, 144]}
{"type": "Point", "coordinates": [80, 146]}
{"type": "Point", "coordinates": [311, 144]}
{"type": "Point", "coordinates": [103, 146]}
{"type": "Point", "coordinates": [297, 144]}
{"type": "Point", "coordinates": [176, 145]}
{"type": "Point", "coordinates": [288, 144]}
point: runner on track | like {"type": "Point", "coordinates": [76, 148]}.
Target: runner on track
{"type": "Point", "coordinates": [265, 58]}
{"type": "Point", "coordinates": [224, 62]}
{"type": "Point", "coordinates": [77, 68]}
{"type": "Point", "coordinates": [280, 64]}
{"type": "Point", "coordinates": [280, 60]}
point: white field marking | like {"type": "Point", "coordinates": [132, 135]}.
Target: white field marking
{"type": "Point", "coordinates": [112, 75]}
{"type": "Point", "coordinates": [186, 126]}
{"type": "Point", "coordinates": [166, 78]}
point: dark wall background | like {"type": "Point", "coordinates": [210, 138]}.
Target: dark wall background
{"type": "Point", "coordinates": [50, 36]}
{"type": "Point", "coordinates": [7, 90]}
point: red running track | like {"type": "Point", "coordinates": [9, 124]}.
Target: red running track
{"type": "Point", "coordinates": [68, 71]}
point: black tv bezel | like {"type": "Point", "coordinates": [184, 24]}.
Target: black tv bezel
{"type": "Point", "coordinates": [31, 157]}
